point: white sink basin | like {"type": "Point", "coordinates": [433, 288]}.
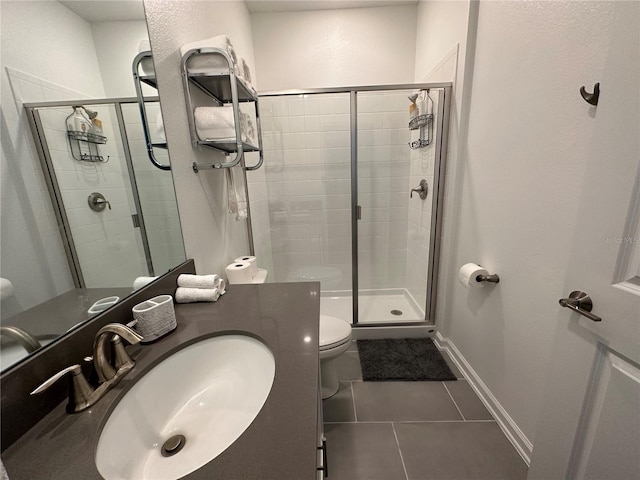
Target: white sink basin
{"type": "Point", "coordinates": [210, 392]}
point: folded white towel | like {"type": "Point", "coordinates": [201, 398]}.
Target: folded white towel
{"type": "Point", "coordinates": [189, 295]}
{"type": "Point", "coordinates": [210, 62]}
{"type": "Point", "coordinates": [222, 286]}
{"type": "Point", "coordinates": [140, 282]}
{"type": "Point", "coordinates": [217, 124]}
{"type": "Point", "coordinates": [236, 192]}
{"type": "Point", "coordinates": [246, 71]}
{"type": "Point", "coordinates": [198, 281]}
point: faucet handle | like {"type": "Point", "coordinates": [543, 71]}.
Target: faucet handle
{"type": "Point", "coordinates": [80, 391]}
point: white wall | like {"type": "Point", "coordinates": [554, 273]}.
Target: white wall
{"type": "Point", "coordinates": [116, 47]}
{"type": "Point", "coordinates": [213, 238]}
{"type": "Point", "coordinates": [32, 252]}
{"type": "Point", "coordinates": [330, 48]}
{"type": "Point", "coordinates": [441, 25]}
{"type": "Point", "coordinates": [513, 203]}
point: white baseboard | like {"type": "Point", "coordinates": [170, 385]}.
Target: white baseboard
{"type": "Point", "coordinates": [519, 440]}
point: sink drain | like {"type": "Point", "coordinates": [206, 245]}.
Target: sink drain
{"type": "Point", "coordinates": [396, 312]}
{"type": "Point", "coordinates": [173, 445]}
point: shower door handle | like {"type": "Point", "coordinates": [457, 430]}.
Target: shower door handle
{"type": "Point", "coordinates": [359, 212]}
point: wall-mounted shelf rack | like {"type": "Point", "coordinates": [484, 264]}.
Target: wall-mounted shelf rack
{"type": "Point", "coordinates": [90, 142]}
{"type": "Point", "coordinates": [223, 86]}
{"type": "Point", "coordinates": [150, 80]}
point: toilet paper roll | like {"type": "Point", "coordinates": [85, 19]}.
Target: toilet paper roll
{"type": "Point", "coordinates": [468, 275]}
{"type": "Point", "coordinates": [238, 272]}
{"type": "Point", "coordinates": [156, 317]}
{"type": "Point", "coordinates": [251, 260]}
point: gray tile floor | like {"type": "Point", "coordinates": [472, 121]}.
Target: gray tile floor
{"type": "Point", "coordinates": [413, 430]}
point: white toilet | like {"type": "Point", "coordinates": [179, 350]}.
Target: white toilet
{"type": "Point", "coordinates": [335, 338]}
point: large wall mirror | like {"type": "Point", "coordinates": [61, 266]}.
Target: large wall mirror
{"type": "Point", "coordinates": [86, 219]}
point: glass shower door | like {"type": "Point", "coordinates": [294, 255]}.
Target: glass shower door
{"type": "Point", "coordinates": [307, 183]}
{"type": "Point", "coordinates": [394, 224]}
{"type": "Point", "coordinates": [106, 247]}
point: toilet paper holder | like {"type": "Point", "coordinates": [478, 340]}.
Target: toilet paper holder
{"type": "Point", "coordinates": [493, 278]}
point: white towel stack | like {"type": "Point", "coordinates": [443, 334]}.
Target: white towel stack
{"type": "Point", "coordinates": [199, 288]}
{"type": "Point", "coordinates": [217, 124]}
{"type": "Point", "coordinates": [210, 62]}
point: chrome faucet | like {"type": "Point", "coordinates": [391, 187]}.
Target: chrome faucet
{"type": "Point", "coordinates": [81, 394]}
{"type": "Point", "coordinates": [28, 341]}
{"type": "Point", "coordinates": [122, 361]}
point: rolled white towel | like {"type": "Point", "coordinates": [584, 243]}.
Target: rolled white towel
{"type": "Point", "coordinates": [140, 282]}
{"type": "Point", "coordinates": [222, 286]}
{"type": "Point", "coordinates": [198, 281]}
{"type": "Point", "coordinates": [210, 62]}
{"type": "Point", "coordinates": [6, 288]}
{"type": "Point", "coordinates": [217, 124]}
{"type": "Point", "coordinates": [190, 295]}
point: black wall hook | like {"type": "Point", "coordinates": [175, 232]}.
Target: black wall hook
{"type": "Point", "coordinates": [591, 98]}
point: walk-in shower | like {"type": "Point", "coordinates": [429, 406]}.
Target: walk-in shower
{"type": "Point", "coordinates": [116, 211]}
{"type": "Point", "coordinates": [334, 202]}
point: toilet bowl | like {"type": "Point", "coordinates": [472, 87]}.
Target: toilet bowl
{"type": "Point", "coordinates": [335, 338]}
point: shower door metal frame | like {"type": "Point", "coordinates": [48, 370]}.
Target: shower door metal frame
{"type": "Point", "coordinates": [37, 130]}
{"type": "Point", "coordinates": [437, 189]}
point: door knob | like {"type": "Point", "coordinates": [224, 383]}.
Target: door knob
{"type": "Point", "coordinates": [581, 303]}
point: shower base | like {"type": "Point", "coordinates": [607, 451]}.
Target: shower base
{"type": "Point", "coordinates": [374, 306]}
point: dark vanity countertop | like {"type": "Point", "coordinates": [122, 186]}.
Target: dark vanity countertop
{"type": "Point", "coordinates": [64, 311]}
{"type": "Point", "coordinates": [280, 444]}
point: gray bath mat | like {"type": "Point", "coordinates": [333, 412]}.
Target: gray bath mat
{"type": "Point", "coordinates": [402, 359]}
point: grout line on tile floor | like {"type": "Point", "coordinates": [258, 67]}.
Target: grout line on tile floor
{"type": "Point", "coordinates": [454, 402]}
{"type": "Point", "coordinates": [400, 451]}
{"type": "Point", "coordinates": [414, 421]}
{"type": "Point", "coordinates": [353, 400]}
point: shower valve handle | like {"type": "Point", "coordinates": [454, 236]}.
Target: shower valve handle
{"type": "Point", "coordinates": [422, 190]}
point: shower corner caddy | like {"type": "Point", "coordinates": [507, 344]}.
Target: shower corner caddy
{"type": "Point", "coordinates": [420, 122]}
{"type": "Point", "coordinates": [223, 86]}
{"type": "Point", "coordinates": [150, 80]}
{"type": "Point", "coordinates": [78, 139]}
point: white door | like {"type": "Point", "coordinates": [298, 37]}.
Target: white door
{"type": "Point", "coordinates": [590, 423]}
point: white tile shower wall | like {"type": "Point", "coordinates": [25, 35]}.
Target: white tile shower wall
{"type": "Point", "coordinates": [306, 147]}
{"type": "Point", "coordinates": [308, 174]}
{"type": "Point", "coordinates": [109, 248]}
{"type": "Point", "coordinates": [156, 191]}
{"type": "Point", "coordinates": [383, 176]}
{"type": "Point", "coordinates": [419, 231]}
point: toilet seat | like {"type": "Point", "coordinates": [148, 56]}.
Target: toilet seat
{"type": "Point", "coordinates": [334, 332]}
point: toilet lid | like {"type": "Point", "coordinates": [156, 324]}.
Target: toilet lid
{"type": "Point", "coordinates": [333, 330]}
